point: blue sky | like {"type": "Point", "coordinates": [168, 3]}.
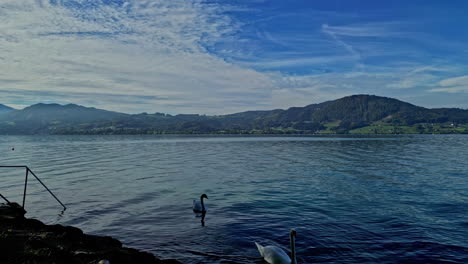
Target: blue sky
{"type": "Point", "coordinates": [215, 57]}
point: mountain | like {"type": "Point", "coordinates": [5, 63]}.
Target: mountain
{"type": "Point", "coordinates": [5, 109]}
{"type": "Point", "coordinates": [351, 114]}
{"type": "Point", "coordinates": [361, 110]}
{"type": "Point", "coordinates": [347, 113]}
{"type": "Point", "coordinates": [47, 118]}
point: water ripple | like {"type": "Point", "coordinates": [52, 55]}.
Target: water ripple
{"type": "Point", "coordinates": [395, 199]}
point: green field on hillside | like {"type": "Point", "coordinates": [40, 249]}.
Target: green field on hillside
{"type": "Point", "coordinates": [421, 128]}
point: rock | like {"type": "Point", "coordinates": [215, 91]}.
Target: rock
{"type": "Point", "coordinates": [11, 211]}
{"type": "Point", "coordinates": [25, 240]}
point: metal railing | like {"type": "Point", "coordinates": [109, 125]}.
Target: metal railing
{"type": "Point", "coordinates": [29, 171]}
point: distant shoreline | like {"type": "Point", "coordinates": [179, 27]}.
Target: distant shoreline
{"type": "Point", "coordinates": [236, 134]}
{"type": "Point", "coordinates": [356, 114]}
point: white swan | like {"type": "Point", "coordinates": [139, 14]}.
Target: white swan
{"type": "Point", "coordinates": [199, 206]}
{"type": "Point", "coordinates": [275, 255]}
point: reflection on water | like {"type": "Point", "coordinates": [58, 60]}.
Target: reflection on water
{"type": "Point", "coordinates": [352, 200]}
{"type": "Point", "coordinates": [202, 218]}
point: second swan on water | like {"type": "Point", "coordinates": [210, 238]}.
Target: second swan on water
{"type": "Point", "coordinates": [275, 255]}
{"type": "Point", "coordinates": [199, 206]}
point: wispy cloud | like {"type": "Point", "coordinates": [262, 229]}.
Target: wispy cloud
{"type": "Point", "coordinates": [376, 29]}
{"type": "Point", "coordinates": [453, 85]}
{"type": "Point", "coordinates": [335, 35]}
{"type": "Point", "coordinates": [297, 62]}
{"type": "Point", "coordinates": [152, 48]}
{"type": "Point", "coordinates": [420, 76]}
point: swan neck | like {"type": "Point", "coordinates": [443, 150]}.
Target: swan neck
{"type": "Point", "coordinates": [202, 203]}
{"type": "Point", "coordinates": [293, 249]}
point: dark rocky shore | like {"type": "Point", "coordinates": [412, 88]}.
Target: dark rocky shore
{"type": "Point", "coordinates": [25, 240]}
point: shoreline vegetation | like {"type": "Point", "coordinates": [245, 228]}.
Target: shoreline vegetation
{"type": "Point", "coordinates": [24, 240]}
{"type": "Point", "coordinates": [356, 114]}
{"type": "Point", "coordinates": [420, 128]}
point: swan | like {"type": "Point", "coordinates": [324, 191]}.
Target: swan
{"type": "Point", "coordinates": [199, 206]}
{"type": "Point", "coordinates": [275, 255]}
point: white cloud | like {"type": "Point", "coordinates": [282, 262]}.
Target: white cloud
{"type": "Point", "coordinates": [452, 89]}
{"type": "Point", "coordinates": [150, 48]}
{"type": "Point", "coordinates": [154, 55]}
{"type": "Point", "coordinates": [414, 79]}
{"type": "Point", "coordinates": [297, 62]}
{"type": "Point", "coordinates": [365, 30]}
{"type": "Point", "coordinates": [453, 85]}
{"type": "Point", "coordinates": [461, 80]}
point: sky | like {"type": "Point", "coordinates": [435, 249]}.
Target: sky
{"type": "Point", "coordinates": [226, 56]}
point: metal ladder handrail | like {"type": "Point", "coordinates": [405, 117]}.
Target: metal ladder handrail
{"type": "Point", "coordinates": [4, 198]}
{"type": "Point", "coordinates": [26, 184]}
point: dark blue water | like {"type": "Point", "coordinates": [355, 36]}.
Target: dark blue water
{"type": "Point", "coordinates": [398, 199]}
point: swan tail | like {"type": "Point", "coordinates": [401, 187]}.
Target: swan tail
{"type": "Point", "coordinates": [260, 248]}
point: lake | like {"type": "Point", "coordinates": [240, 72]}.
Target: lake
{"type": "Point", "coordinates": [385, 199]}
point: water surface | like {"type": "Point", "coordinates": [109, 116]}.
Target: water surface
{"type": "Point", "coordinates": [392, 199]}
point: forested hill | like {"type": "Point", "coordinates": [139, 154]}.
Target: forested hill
{"type": "Point", "coordinates": [51, 118]}
{"type": "Point", "coordinates": [353, 114]}
{"type": "Point", "coordinates": [4, 108]}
